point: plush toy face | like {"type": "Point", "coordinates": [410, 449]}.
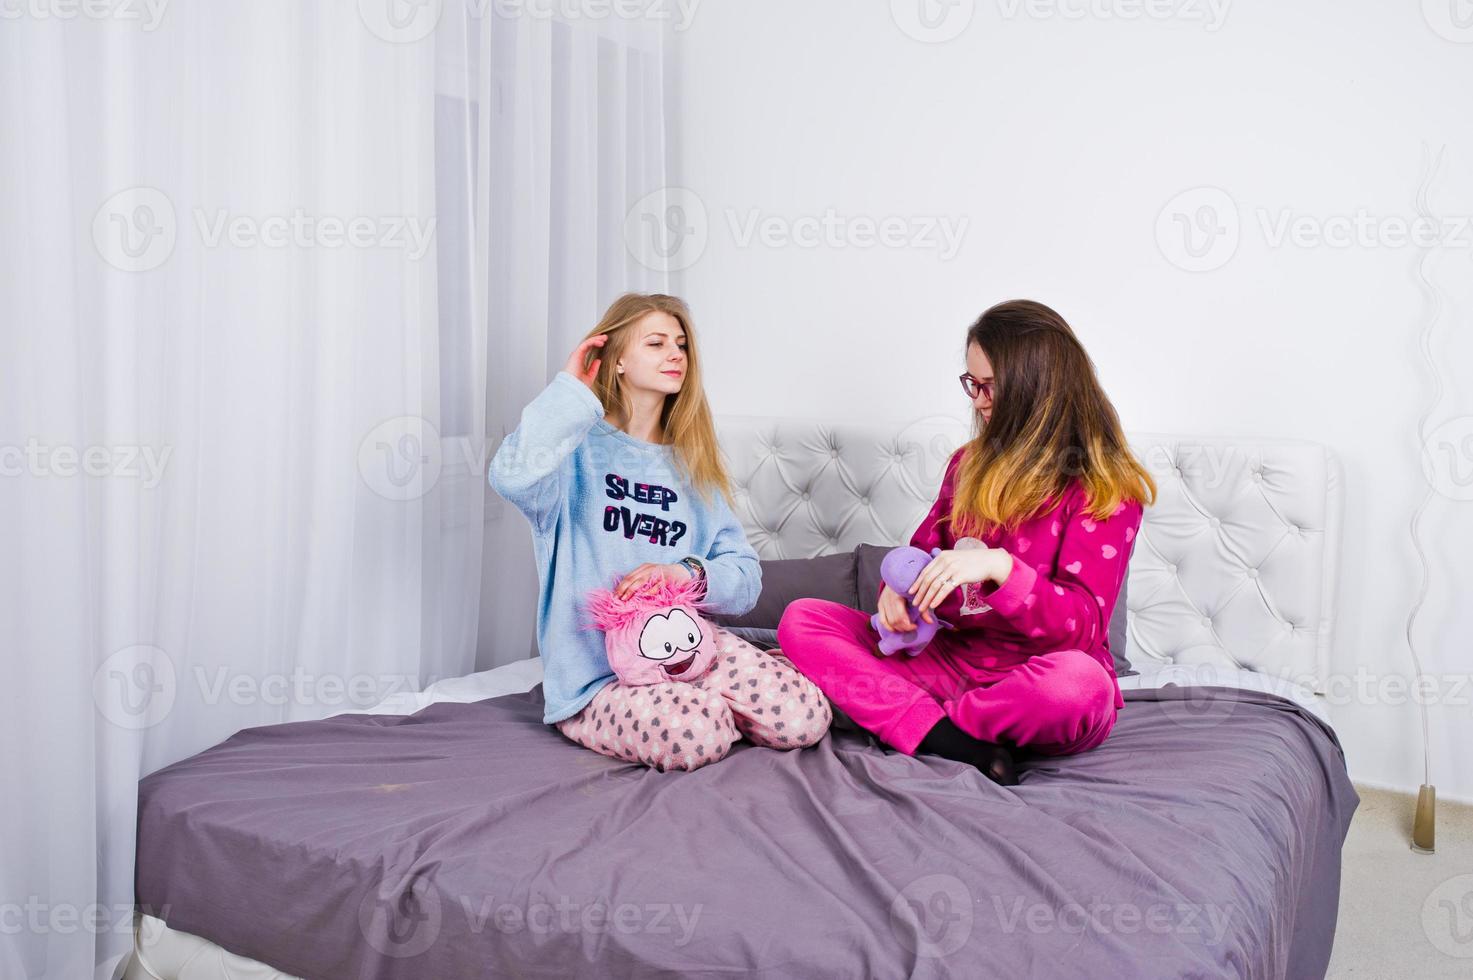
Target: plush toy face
{"type": "Point", "coordinates": [657, 635]}
{"type": "Point", "coordinates": [675, 644]}
{"type": "Point", "coordinates": [901, 566]}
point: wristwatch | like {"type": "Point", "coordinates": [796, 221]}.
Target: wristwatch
{"type": "Point", "coordinates": [697, 569]}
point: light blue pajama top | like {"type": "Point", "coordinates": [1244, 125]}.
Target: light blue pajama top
{"type": "Point", "coordinates": [600, 503]}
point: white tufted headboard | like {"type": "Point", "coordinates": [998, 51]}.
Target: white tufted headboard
{"type": "Point", "coordinates": [1235, 565]}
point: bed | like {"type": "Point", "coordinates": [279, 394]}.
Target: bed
{"type": "Point", "coordinates": [447, 833]}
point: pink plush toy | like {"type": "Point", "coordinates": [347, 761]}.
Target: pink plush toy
{"type": "Point", "coordinates": [657, 634]}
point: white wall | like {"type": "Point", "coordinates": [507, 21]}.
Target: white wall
{"type": "Point", "coordinates": [1060, 140]}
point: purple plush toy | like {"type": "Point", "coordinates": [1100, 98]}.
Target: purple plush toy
{"type": "Point", "coordinates": [900, 568]}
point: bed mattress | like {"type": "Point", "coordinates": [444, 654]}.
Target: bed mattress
{"type": "Point", "coordinates": [468, 839]}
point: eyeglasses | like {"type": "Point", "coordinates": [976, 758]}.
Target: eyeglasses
{"type": "Point", "coordinates": [972, 386]}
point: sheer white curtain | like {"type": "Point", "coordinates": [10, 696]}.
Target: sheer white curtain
{"type": "Point", "coordinates": [572, 151]}
{"type": "Point", "coordinates": [275, 279]}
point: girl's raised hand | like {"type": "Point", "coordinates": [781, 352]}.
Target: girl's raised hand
{"type": "Point", "coordinates": [578, 357]}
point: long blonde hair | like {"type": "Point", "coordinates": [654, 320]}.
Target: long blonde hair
{"type": "Point", "coordinates": [1051, 423]}
{"type": "Point", "coordinates": [685, 417]}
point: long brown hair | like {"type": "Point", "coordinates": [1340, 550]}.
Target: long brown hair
{"type": "Point", "coordinates": [1051, 423]}
{"type": "Point", "coordinates": [685, 417]}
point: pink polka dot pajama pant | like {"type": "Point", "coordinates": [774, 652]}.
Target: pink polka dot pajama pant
{"type": "Point", "coordinates": [748, 694]}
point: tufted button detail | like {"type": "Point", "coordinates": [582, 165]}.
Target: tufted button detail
{"type": "Point", "coordinates": [778, 463]}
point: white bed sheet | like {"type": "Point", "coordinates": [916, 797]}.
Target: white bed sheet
{"type": "Point", "coordinates": [1211, 675]}
{"type": "Point", "coordinates": [512, 678]}
{"type": "Point", "coordinates": [515, 678]}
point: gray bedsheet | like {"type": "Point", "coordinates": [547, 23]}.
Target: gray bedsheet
{"type": "Point", "coordinates": [469, 840]}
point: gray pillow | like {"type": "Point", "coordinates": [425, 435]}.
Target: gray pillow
{"type": "Point", "coordinates": [785, 579]}
{"type": "Point", "coordinates": [868, 556]}
{"type": "Point", "coordinates": [1117, 633]}
{"type": "Point", "coordinates": [759, 638]}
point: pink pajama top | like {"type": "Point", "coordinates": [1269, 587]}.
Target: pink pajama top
{"type": "Point", "coordinates": [1067, 573]}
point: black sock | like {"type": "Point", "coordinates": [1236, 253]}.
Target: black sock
{"type": "Point", "coordinates": [950, 742]}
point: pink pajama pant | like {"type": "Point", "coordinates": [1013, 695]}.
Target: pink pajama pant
{"type": "Point", "coordinates": [685, 725]}
{"type": "Point", "coordinates": [1056, 703]}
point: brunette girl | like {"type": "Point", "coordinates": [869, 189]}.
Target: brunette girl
{"type": "Point", "coordinates": [1036, 519]}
